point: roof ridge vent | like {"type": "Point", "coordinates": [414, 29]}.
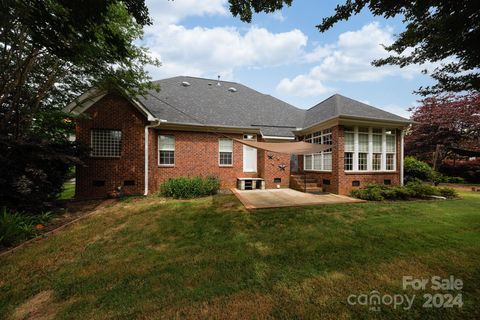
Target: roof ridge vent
{"type": "Point", "coordinates": [232, 89]}
{"type": "Point", "coordinates": [185, 83]}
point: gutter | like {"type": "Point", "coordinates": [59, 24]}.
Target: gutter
{"type": "Point", "coordinates": [156, 124]}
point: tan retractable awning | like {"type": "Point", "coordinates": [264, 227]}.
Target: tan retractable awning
{"type": "Point", "coordinates": [299, 147]}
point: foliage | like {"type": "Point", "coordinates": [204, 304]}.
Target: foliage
{"type": "Point", "coordinates": [416, 169]}
{"type": "Point", "coordinates": [468, 170]}
{"type": "Point", "coordinates": [413, 189]}
{"type": "Point", "coordinates": [33, 173]}
{"type": "Point", "coordinates": [16, 227]}
{"type": "Point", "coordinates": [449, 121]}
{"type": "Point", "coordinates": [50, 52]}
{"type": "Point", "coordinates": [448, 192]}
{"type": "Point", "coordinates": [436, 31]}
{"type": "Point", "coordinates": [186, 188]}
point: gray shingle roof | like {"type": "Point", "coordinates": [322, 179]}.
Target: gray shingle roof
{"type": "Point", "coordinates": [204, 102]}
{"type": "Point", "coordinates": [338, 105]}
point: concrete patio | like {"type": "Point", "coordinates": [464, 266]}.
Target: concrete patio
{"type": "Point", "coordinates": [277, 198]}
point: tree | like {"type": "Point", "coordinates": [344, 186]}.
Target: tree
{"type": "Point", "coordinates": [448, 121]}
{"type": "Point", "coordinates": [435, 31]}
{"type": "Point", "coordinates": [50, 52]}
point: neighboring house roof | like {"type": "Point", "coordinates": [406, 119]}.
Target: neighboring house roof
{"type": "Point", "coordinates": [198, 101]}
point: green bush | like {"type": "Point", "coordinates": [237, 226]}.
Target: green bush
{"type": "Point", "coordinates": [416, 169]}
{"type": "Point", "coordinates": [187, 188]}
{"type": "Point", "coordinates": [448, 192]}
{"type": "Point", "coordinates": [15, 227]}
{"type": "Point", "coordinates": [421, 190]}
{"type": "Point", "coordinates": [413, 189]}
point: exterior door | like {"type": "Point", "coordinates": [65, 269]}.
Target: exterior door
{"type": "Point", "coordinates": [294, 163]}
{"type": "Point", "coordinates": [249, 159]}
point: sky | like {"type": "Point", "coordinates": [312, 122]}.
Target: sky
{"type": "Point", "coordinates": [283, 54]}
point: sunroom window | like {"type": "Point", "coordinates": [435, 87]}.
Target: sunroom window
{"type": "Point", "coordinates": [319, 161]}
{"type": "Point", "coordinates": [369, 149]}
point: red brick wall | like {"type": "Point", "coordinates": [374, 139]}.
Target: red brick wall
{"type": "Point", "coordinates": [112, 112]}
{"type": "Point", "coordinates": [196, 154]}
{"type": "Point", "coordinates": [269, 169]}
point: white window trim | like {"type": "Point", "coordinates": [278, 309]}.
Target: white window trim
{"type": "Point", "coordinates": [233, 148]}
{"type": "Point", "coordinates": [383, 165]}
{"type": "Point", "coordinates": [158, 151]}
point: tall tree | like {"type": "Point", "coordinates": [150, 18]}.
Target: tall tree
{"type": "Point", "coordinates": [435, 31]}
{"type": "Point", "coordinates": [446, 121]}
{"type": "Point", "coordinates": [50, 52]}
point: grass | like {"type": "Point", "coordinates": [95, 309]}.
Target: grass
{"type": "Point", "coordinates": [68, 191]}
{"type": "Point", "coordinates": [210, 258]}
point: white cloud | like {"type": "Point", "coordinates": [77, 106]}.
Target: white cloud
{"type": "Point", "coordinates": [302, 86]}
{"type": "Point", "coordinates": [277, 15]}
{"type": "Point", "coordinates": [348, 59]}
{"type": "Point", "coordinates": [166, 12]}
{"type": "Point", "coordinates": [210, 51]}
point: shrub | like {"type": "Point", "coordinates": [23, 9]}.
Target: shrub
{"type": "Point", "coordinates": [186, 188]}
{"type": "Point", "coordinates": [370, 193]}
{"type": "Point", "coordinates": [15, 227]}
{"type": "Point", "coordinates": [468, 170]}
{"type": "Point", "coordinates": [421, 190]}
{"type": "Point", "coordinates": [448, 192]}
{"type": "Point", "coordinates": [413, 189]}
{"type": "Point", "coordinates": [454, 179]}
{"type": "Point", "coordinates": [33, 172]}
{"type": "Point", "coordinates": [416, 169]}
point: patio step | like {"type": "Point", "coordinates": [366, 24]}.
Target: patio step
{"type": "Point", "coordinates": [309, 184]}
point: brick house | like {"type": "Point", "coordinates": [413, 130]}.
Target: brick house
{"type": "Point", "coordinates": [187, 128]}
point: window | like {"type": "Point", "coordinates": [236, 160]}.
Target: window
{"type": "Point", "coordinates": [363, 142]}
{"type": "Point", "coordinates": [348, 161]}
{"type": "Point", "coordinates": [369, 149]}
{"type": "Point", "coordinates": [390, 161]}
{"type": "Point", "coordinates": [308, 162]}
{"type": "Point", "coordinates": [390, 143]}
{"type": "Point", "coordinates": [349, 141]}
{"type": "Point", "coordinates": [250, 137]}
{"type": "Point", "coordinates": [362, 161]}
{"type": "Point", "coordinates": [106, 143]}
{"type": "Point", "coordinates": [377, 143]}
{"type": "Point", "coordinates": [225, 149]}
{"type": "Point", "coordinates": [166, 150]}
{"type": "Point", "coordinates": [319, 161]}
{"type": "Point", "coordinates": [327, 161]}
{"type": "Point", "coordinates": [377, 161]}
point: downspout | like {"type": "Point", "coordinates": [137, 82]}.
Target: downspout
{"type": "Point", "coordinates": [402, 134]}
{"type": "Point", "coordinates": [156, 124]}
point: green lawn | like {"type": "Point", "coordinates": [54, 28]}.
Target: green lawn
{"type": "Point", "coordinates": [210, 258]}
{"type": "Point", "coordinates": [68, 191]}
